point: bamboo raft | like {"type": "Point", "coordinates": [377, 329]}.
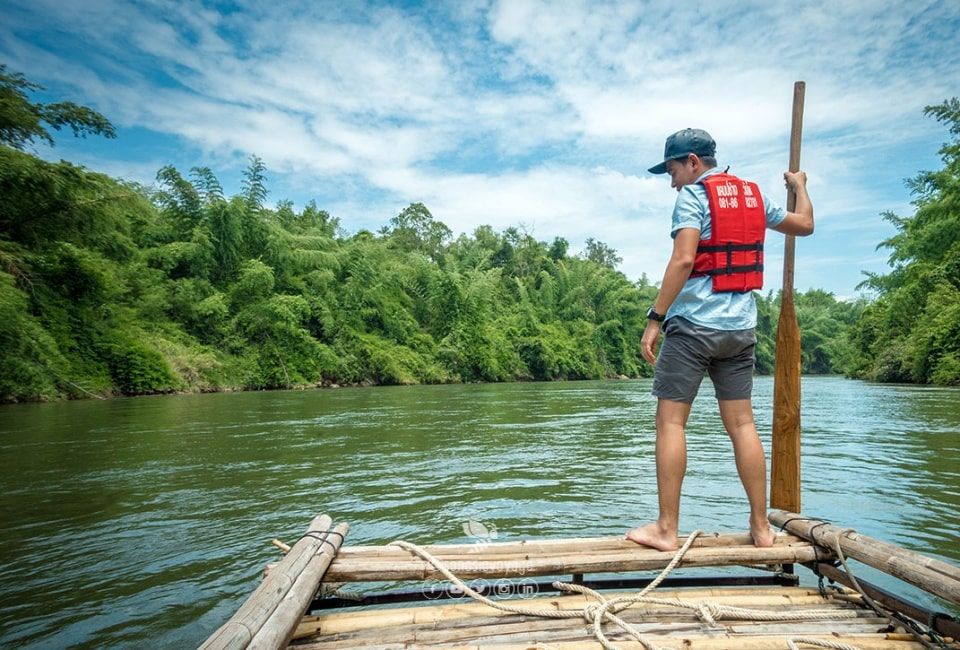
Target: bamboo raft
{"type": "Point", "coordinates": [301, 603]}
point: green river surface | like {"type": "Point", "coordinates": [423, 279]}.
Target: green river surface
{"type": "Point", "coordinates": [147, 521]}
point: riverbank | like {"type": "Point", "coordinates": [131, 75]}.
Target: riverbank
{"type": "Point", "coordinates": [206, 389]}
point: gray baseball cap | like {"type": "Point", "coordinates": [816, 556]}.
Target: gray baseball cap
{"type": "Point", "coordinates": [685, 142]}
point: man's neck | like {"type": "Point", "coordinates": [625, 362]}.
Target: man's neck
{"type": "Point", "coordinates": [701, 169]}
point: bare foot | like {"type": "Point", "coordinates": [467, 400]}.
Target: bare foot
{"type": "Point", "coordinates": [762, 535]}
{"type": "Point", "coordinates": [654, 536]}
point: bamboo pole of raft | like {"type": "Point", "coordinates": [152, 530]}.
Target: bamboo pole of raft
{"type": "Point", "coordinates": [942, 625]}
{"type": "Point", "coordinates": [469, 567]}
{"type": "Point", "coordinates": [931, 575]}
{"type": "Point", "coordinates": [254, 612]}
{"type": "Point", "coordinates": [279, 628]}
{"type": "Point", "coordinates": [785, 461]}
{"type": "Point", "coordinates": [549, 546]}
{"type": "Point", "coordinates": [697, 642]}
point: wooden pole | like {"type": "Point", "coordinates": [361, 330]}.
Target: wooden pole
{"type": "Point", "coordinates": [785, 461]}
{"type": "Point", "coordinates": [254, 612]}
{"type": "Point", "coordinates": [931, 575]}
{"type": "Point", "coordinates": [473, 566]}
{"type": "Point", "coordinates": [540, 547]}
{"type": "Point", "coordinates": [279, 628]}
{"type": "Point", "coordinates": [721, 641]}
{"type": "Point", "coordinates": [942, 625]}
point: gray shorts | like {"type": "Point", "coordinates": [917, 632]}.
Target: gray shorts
{"type": "Point", "coordinates": [689, 350]}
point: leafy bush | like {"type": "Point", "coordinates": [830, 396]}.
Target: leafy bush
{"type": "Point", "coordinates": [137, 368]}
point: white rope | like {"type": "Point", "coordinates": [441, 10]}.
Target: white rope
{"type": "Point", "coordinates": [792, 644]}
{"type": "Point", "coordinates": [891, 616]}
{"type": "Point", "coordinates": [607, 609]}
{"type": "Point", "coordinates": [355, 596]}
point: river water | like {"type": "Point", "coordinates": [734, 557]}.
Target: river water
{"type": "Point", "coordinates": [147, 521]}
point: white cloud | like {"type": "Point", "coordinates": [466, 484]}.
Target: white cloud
{"type": "Point", "coordinates": [625, 74]}
{"type": "Point", "coordinates": [513, 112]}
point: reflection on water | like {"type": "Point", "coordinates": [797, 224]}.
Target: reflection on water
{"type": "Point", "coordinates": [149, 519]}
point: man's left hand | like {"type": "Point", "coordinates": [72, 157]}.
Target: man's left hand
{"type": "Point", "coordinates": [649, 341]}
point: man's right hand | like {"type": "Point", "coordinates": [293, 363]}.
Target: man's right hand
{"type": "Point", "coordinates": [800, 221]}
{"type": "Point", "coordinates": [795, 180]}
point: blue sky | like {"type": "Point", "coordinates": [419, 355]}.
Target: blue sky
{"type": "Point", "coordinates": [518, 113]}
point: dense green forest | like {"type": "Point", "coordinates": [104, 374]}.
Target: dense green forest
{"type": "Point", "coordinates": [108, 287]}
{"type": "Point", "coordinates": [911, 333]}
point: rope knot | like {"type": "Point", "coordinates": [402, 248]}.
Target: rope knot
{"type": "Point", "coordinates": [708, 613]}
{"type": "Point", "coordinates": [590, 612]}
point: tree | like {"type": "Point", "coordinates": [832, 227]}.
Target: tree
{"type": "Point", "coordinates": [21, 121]}
{"type": "Point", "coordinates": [602, 254]}
{"type": "Point", "coordinates": [912, 331]}
{"type": "Point", "coordinates": [558, 249]}
{"type": "Point", "coordinates": [415, 229]}
{"type": "Point", "coordinates": [180, 200]}
{"type": "Point", "coordinates": [206, 185]}
{"type": "Point", "coordinates": [254, 184]}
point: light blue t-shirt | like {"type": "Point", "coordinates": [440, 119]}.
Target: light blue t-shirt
{"type": "Point", "coordinates": [729, 310]}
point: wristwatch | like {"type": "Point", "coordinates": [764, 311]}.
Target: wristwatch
{"type": "Point", "coordinates": [653, 315]}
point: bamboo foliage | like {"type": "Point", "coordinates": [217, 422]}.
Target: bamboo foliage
{"type": "Point", "coordinates": [115, 288]}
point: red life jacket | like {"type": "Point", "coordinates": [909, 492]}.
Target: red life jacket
{"type": "Point", "coordinates": [733, 255]}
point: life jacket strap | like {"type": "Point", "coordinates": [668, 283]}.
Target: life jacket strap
{"type": "Point", "coordinates": [727, 270]}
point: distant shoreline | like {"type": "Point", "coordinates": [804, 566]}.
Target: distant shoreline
{"type": "Point", "coordinates": [370, 384]}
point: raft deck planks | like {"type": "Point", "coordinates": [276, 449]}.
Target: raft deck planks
{"type": "Point", "coordinates": [473, 625]}
{"type": "Point", "coordinates": [465, 624]}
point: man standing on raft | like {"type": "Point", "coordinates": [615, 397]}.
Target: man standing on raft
{"type": "Point", "coordinates": [707, 309]}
